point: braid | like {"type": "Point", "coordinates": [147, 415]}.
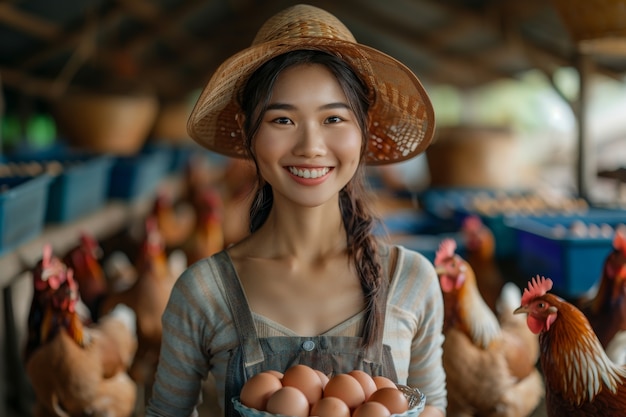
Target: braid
{"type": "Point", "coordinates": [362, 249]}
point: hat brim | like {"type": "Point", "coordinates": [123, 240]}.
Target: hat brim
{"type": "Point", "coordinates": [401, 123]}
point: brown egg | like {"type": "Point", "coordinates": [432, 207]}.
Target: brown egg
{"type": "Point", "coordinates": [366, 381]}
{"type": "Point", "coordinates": [371, 409]}
{"type": "Point", "coordinates": [392, 398]}
{"type": "Point", "coordinates": [323, 377]}
{"type": "Point", "coordinates": [306, 380]}
{"type": "Point", "coordinates": [256, 390]}
{"type": "Point", "coordinates": [346, 388]}
{"type": "Point", "coordinates": [382, 382]}
{"type": "Point", "coordinates": [288, 401]}
{"type": "Point", "coordinates": [277, 374]}
{"type": "Point", "coordinates": [330, 407]}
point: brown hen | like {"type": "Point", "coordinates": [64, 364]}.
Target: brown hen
{"type": "Point", "coordinates": [147, 297]}
{"type": "Point", "coordinates": [79, 370]}
{"type": "Point", "coordinates": [490, 365]}
{"type": "Point", "coordinates": [480, 248]}
{"type": "Point", "coordinates": [84, 260]}
{"type": "Point", "coordinates": [606, 311]}
{"type": "Point", "coordinates": [580, 379]}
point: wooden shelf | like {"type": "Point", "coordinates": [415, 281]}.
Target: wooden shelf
{"type": "Point", "coordinates": [112, 218]}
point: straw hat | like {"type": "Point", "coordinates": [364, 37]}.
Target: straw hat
{"type": "Point", "coordinates": [401, 123]}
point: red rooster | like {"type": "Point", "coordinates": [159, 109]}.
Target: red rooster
{"type": "Point", "coordinates": [490, 365]}
{"type": "Point", "coordinates": [480, 246]}
{"type": "Point", "coordinates": [84, 260]}
{"type": "Point", "coordinates": [49, 274]}
{"type": "Point", "coordinates": [77, 370]}
{"type": "Point", "coordinates": [606, 312]}
{"type": "Point", "coordinates": [581, 380]}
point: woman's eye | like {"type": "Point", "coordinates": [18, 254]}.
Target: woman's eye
{"type": "Point", "coordinates": [334, 119]}
{"type": "Point", "coordinates": [282, 120]}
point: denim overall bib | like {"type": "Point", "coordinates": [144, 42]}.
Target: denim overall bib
{"type": "Point", "coordinates": [329, 354]}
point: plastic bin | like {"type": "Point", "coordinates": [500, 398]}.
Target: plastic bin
{"type": "Point", "coordinates": [548, 247]}
{"type": "Point", "coordinates": [138, 176]}
{"type": "Point", "coordinates": [79, 183]}
{"type": "Point", "coordinates": [22, 209]}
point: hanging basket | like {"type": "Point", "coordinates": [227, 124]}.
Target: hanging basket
{"type": "Point", "coordinates": [596, 26]}
{"type": "Point", "coordinates": [109, 123]}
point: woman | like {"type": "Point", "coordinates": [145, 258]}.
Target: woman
{"type": "Point", "coordinates": [310, 284]}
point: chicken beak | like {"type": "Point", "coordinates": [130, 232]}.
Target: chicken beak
{"type": "Point", "coordinates": [440, 270]}
{"type": "Point", "coordinates": [520, 310]}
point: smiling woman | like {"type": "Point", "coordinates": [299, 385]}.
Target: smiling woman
{"type": "Point", "coordinates": [310, 108]}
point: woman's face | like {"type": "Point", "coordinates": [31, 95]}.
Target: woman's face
{"type": "Point", "coordinates": [309, 142]}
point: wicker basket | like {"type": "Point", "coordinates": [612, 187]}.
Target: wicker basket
{"type": "Point", "coordinates": [417, 402]}
{"type": "Point", "coordinates": [597, 26]}
{"type": "Point", "coordinates": [473, 156]}
{"type": "Point", "coordinates": [115, 124]}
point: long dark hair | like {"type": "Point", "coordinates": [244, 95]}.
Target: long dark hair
{"type": "Point", "coordinates": [357, 216]}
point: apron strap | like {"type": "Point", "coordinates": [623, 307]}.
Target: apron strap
{"type": "Point", "coordinates": [236, 298]}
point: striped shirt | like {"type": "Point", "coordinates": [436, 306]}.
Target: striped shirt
{"type": "Point", "coordinates": [198, 333]}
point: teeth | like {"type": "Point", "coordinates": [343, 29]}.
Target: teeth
{"type": "Point", "coordinates": [309, 173]}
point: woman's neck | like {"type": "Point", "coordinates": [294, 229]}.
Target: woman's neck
{"type": "Point", "coordinates": [304, 233]}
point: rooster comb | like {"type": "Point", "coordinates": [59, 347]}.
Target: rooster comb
{"type": "Point", "coordinates": [472, 222]}
{"type": "Point", "coordinates": [445, 251]}
{"type": "Point", "coordinates": [537, 287]}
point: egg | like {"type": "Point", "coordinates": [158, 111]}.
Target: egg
{"type": "Point", "coordinates": [323, 377]}
{"type": "Point", "coordinates": [306, 380]}
{"type": "Point", "coordinates": [371, 409]}
{"type": "Point", "coordinates": [288, 401]}
{"type": "Point", "coordinates": [330, 407]}
{"type": "Point", "coordinates": [277, 374]}
{"type": "Point", "coordinates": [346, 388]}
{"type": "Point", "coordinates": [382, 382]}
{"type": "Point", "coordinates": [392, 398]}
{"type": "Point", "coordinates": [256, 390]}
{"type": "Point", "coordinates": [366, 381]}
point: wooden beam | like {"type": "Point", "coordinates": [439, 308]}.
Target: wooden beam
{"type": "Point", "coordinates": [28, 23]}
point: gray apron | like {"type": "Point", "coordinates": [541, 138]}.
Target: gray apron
{"type": "Point", "coordinates": [329, 354]}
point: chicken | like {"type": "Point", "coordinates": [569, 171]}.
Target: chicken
{"type": "Point", "coordinates": [491, 368]}
{"type": "Point", "coordinates": [606, 311]}
{"type": "Point", "coordinates": [148, 297]}
{"type": "Point", "coordinates": [208, 236]}
{"type": "Point", "coordinates": [79, 370]}
{"type": "Point", "coordinates": [480, 248]}
{"type": "Point", "coordinates": [48, 276]}
{"type": "Point", "coordinates": [84, 260]}
{"type": "Point", "coordinates": [176, 219]}
{"type": "Point", "coordinates": [581, 380]}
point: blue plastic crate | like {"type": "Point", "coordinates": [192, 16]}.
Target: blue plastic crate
{"type": "Point", "coordinates": [22, 209]}
{"type": "Point", "coordinates": [79, 183]}
{"type": "Point", "coordinates": [138, 176]}
{"type": "Point", "coordinates": [81, 189]}
{"type": "Point", "coordinates": [547, 247]}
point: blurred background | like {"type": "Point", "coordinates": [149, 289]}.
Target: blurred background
{"type": "Point", "coordinates": [529, 99]}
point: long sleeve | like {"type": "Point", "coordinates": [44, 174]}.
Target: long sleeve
{"type": "Point", "coordinates": [414, 324]}
{"type": "Point", "coordinates": [197, 334]}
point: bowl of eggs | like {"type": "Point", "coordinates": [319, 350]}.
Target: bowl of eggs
{"type": "Point", "coordinates": [302, 391]}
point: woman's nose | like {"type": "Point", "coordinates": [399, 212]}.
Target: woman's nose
{"type": "Point", "coordinates": [310, 142]}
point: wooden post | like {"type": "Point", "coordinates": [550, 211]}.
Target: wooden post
{"type": "Point", "coordinates": [585, 166]}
